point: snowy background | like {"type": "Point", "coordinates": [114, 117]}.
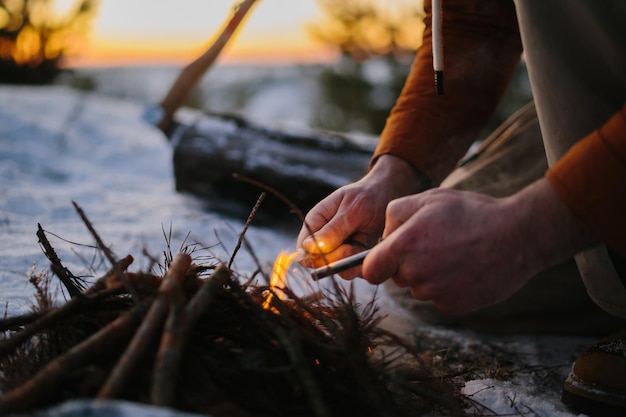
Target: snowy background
{"type": "Point", "coordinates": [59, 145]}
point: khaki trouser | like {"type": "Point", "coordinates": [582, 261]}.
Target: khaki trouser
{"type": "Point", "coordinates": [576, 58]}
{"type": "Point", "coordinates": [554, 301]}
{"type": "Point", "coordinates": [574, 52]}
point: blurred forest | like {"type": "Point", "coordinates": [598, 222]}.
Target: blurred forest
{"type": "Point", "coordinates": [377, 40]}
{"type": "Point", "coordinates": [34, 38]}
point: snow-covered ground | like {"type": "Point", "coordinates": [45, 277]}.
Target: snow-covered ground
{"type": "Point", "coordinates": [59, 145]}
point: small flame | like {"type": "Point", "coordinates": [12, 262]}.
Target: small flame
{"type": "Point", "coordinates": [279, 275]}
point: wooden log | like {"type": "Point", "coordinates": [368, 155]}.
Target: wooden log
{"type": "Point", "coordinates": [305, 166]}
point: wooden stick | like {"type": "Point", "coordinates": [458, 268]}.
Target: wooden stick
{"type": "Point", "coordinates": [97, 291]}
{"type": "Point", "coordinates": [203, 298]}
{"type": "Point", "coordinates": [166, 368]}
{"type": "Point", "coordinates": [174, 340]}
{"type": "Point", "coordinates": [294, 209]}
{"type": "Point", "coordinates": [45, 385]}
{"type": "Point", "coordinates": [253, 213]}
{"type": "Point", "coordinates": [107, 252]}
{"type": "Point", "coordinates": [147, 332]}
{"type": "Point", "coordinates": [437, 42]}
{"type": "Point", "coordinates": [13, 323]}
{"type": "Point", "coordinates": [191, 74]}
{"type": "Point", "coordinates": [69, 280]}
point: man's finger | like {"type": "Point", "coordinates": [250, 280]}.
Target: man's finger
{"type": "Point", "coordinates": [400, 210]}
{"type": "Point", "coordinates": [381, 263]}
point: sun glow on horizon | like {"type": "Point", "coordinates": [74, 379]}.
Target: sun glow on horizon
{"type": "Point", "coordinates": [176, 31]}
{"type": "Point", "coordinates": [111, 53]}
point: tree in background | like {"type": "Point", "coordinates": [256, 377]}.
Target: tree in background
{"type": "Point", "coordinates": [377, 40]}
{"type": "Point", "coordinates": [34, 38]}
{"type": "Point", "coordinates": [364, 29]}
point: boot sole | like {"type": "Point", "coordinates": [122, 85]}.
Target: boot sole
{"type": "Point", "coordinates": [593, 401]}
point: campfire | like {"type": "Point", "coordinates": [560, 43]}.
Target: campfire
{"type": "Point", "coordinates": [200, 337]}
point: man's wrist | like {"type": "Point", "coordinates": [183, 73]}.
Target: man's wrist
{"type": "Point", "coordinates": [550, 229]}
{"type": "Point", "coordinates": [399, 173]}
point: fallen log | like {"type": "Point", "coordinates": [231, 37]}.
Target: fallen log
{"type": "Point", "coordinates": [306, 166]}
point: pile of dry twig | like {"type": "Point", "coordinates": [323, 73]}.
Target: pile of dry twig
{"type": "Point", "coordinates": [199, 338]}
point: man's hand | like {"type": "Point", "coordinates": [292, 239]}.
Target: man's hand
{"type": "Point", "coordinates": [352, 218]}
{"type": "Point", "coordinates": [464, 251]}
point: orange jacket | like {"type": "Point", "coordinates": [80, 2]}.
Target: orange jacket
{"type": "Point", "coordinates": [432, 132]}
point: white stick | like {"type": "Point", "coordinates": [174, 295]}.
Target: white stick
{"type": "Point", "coordinates": [437, 45]}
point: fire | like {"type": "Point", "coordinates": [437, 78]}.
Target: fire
{"type": "Point", "coordinates": [279, 275]}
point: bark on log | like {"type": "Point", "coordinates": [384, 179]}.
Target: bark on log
{"type": "Point", "coordinates": [304, 166]}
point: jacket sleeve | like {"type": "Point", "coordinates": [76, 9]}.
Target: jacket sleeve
{"type": "Point", "coordinates": [482, 46]}
{"type": "Point", "coordinates": [591, 179]}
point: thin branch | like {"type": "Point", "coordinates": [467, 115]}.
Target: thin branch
{"type": "Point", "coordinates": [12, 323]}
{"type": "Point", "coordinates": [69, 280]}
{"type": "Point", "coordinates": [108, 253]}
{"type": "Point", "coordinates": [253, 213]}
{"type": "Point", "coordinates": [294, 209]}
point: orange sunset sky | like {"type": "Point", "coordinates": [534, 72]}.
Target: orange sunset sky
{"type": "Point", "coordinates": [134, 32]}
{"type": "Point", "coordinates": [131, 32]}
